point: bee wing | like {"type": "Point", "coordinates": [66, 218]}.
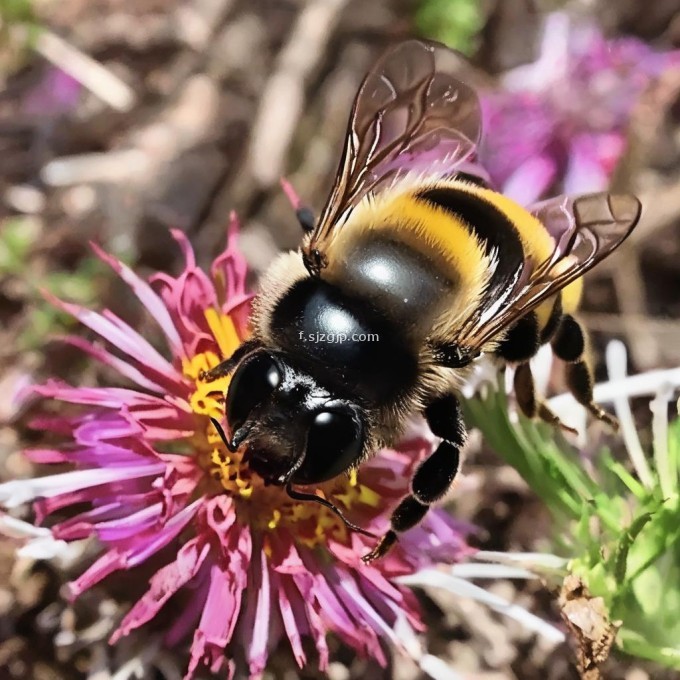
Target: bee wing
{"type": "Point", "coordinates": [410, 115]}
{"type": "Point", "coordinates": [585, 230]}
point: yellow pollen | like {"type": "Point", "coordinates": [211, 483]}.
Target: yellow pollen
{"type": "Point", "coordinates": [223, 330]}
{"type": "Point", "coordinates": [274, 521]}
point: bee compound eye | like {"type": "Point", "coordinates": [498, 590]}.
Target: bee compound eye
{"type": "Point", "coordinates": [334, 442]}
{"type": "Point", "coordinates": [254, 380]}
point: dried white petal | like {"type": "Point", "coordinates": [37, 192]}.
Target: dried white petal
{"type": "Point", "coordinates": [433, 578]}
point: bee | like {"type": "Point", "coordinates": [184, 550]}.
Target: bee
{"type": "Point", "coordinates": [415, 267]}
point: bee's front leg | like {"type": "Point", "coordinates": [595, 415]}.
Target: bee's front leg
{"type": "Point", "coordinates": [434, 476]}
{"type": "Point", "coordinates": [227, 366]}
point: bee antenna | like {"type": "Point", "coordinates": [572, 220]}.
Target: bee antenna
{"type": "Point", "coordinates": [223, 436]}
{"type": "Point", "coordinates": [300, 496]}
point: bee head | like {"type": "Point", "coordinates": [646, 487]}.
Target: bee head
{"type": "Point", "coordinates": [293, 428]}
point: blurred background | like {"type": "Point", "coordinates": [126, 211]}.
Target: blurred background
{"type": "Point", "coordinates": [121, 119]}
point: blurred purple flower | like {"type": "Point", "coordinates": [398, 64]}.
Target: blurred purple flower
{"type": "Point", "coordinates": [560, 122]}
{"type": "Point", "coordinates": [55, 93]}
{"type": "Point", "coordinates": [153, 481]}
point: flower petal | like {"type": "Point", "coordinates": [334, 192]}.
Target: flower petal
{"type": "Point", "coordinates": [117, 332]}
{"type": "Point", "coordinates": [255, 626]}
{"type": "Point", "coordinates": [463, 588]}
{"type": "Point", "coordinates": [146, 295]}
{"type": "Point", "coordinates": [218, 619]}
{"type": "Point", "coordinates": [19, 491]}
{"type": "Point", "coordinates": [123, 367]}
{"type": "Point", "coordinates": [146, 544]}
{"type": "Point", "coordinates": [294, 621]}
{"type": "Point", "coordinates": [163, 585]}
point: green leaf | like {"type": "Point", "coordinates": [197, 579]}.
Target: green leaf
{"type": "Point", "coordinates": [635, 644]}
{"type": "Point", "coordinates": [674, 451]}
{"type": "Point", "coordinates": [15, 11]}
{"type": "Point", "coordinates": [620, 557]}
{"type": "Point", "coordinates": [17, 236]}
{"type": "Point", "coordinates": [631, 483]}
{"type": "Point", "coordinates": [456, 23]}
{"type": "Point", "coordinates": [621, 538]}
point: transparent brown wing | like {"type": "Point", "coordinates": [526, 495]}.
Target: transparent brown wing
{"type": "Point", "coordinates": [585, 230]}
{"type": "Point", "coordinates": [410, 115]}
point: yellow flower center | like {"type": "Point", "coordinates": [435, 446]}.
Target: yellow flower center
{"type": "Point", "coordinates": [267, 508]}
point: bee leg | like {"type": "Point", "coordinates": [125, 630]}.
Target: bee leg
{"type": "Point", "coordinates": [569, 345]}
{"type": "Point", "coordinates": [522, 340]}
{"type": "Point", "coordinates": [521, 344]}
{"type": "Point", "coordinates": [228, 365]}
{"type": "Point", "coordinates": [304, 214]}
{"type": "Point", "coordinates": [434, 476]}
{"type": "Point", "coordinates": [525, 393]}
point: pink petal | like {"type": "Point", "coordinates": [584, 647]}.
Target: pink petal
{"type": "Point", "coordinates": [102, 493]}
{"type": "Point", "coordinates": [104, 455]}
{"type": "Point", "coordinates": [82, 525]}
{"type": "Point", "coordinates": [146, 295]}
{"type": "Point", "coordinates": [117, 332]}
{"type": "Point", "coordinates": [294, 621]}
{"type": "Point", "coordinates": [147, 544]}
{"type": "Point", "coordinates": [229, 269]}
{"type": "Point", "coordinates": [285, 557]}
{"type": "Point", "coordinates": [374, 576]}
{"type": "Point", "coordinates": [220, 516]}
{"type": "Point", "coordinates": [113, 530]}
{"type": "Point", "coordinates": [164, 535]}
{"type": "Point", "coordinates": [585, 172]}
{"type": "Point", "coordinates": [95, 428]}
{"type": "Point", "coordinates": [318, 631]}
{"type": "Point", "coordinates": [163, 585]}
{"type": "Point", "coordinates": [369, 620]}
{"type": "Point", "coordinates": [335, 615]}
{"type": "Point", "coordinates": [182, 476]}
{"type": "Point", "coordinates": [160, 421]}
{"type": "Point", "coordinates": [185, 247]}
{"type": "Point", "coordinates": [146, 378]}
{"type": "Point", "coordinates": [56, 424]}
{"type": "Point", "coordinates": [531, 179]}
{"type": "Point", "coordinates": [306, 589]}
{"type": "Point", "coordinates": [187, 621]}
{"type": "Point", "coordinates": [20, 491]}
{"type": "Point", "coordinates": [107, 564]}
{"type": "Point", "coordinates": [217, 622]}
{"type": "Point", "coordinates": [255, 625]}
{"type": "Point", "coordinates": [107, 397]}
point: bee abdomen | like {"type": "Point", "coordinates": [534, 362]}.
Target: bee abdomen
{"type": "Point", "coordinates": [495, 232]}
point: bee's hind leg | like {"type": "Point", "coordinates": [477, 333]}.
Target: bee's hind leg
{"type": "Point", "coordinates": [304, 213]}
{"type": "Point", "coordinates": [521, 344]}
{"type": "Point", "coordinates": [569, 345]}
{"type": "Point", "coordinates": [531, 407]}
{"type": "Point", "coordinates": [434, 476]}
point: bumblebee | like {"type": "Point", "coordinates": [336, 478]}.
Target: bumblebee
{"type": "Point", "coordinates": [415, 267]}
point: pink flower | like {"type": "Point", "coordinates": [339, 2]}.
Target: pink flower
{"type": "Point", "coordinates": [55, 93]}
{"type": "Point", "coordinates": [560, 123]}
{"type": "Point", "coordinates": [151, 474]}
